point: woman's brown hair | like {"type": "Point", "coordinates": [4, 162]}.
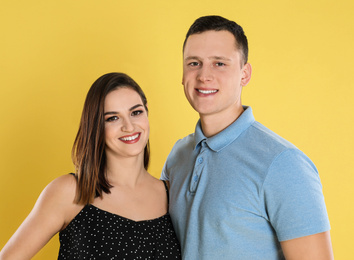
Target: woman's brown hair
{"type": "Point", "coordinates": [88, 153]}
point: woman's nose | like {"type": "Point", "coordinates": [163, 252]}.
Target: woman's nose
{"type": "Point", "coordinates": [127, 126]}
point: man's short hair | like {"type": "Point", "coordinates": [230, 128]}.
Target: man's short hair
{"type": "Point", "coordinates": [218, 23]}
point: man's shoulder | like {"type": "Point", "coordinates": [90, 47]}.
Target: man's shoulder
{"type": "Point", "coordinates": [181, 150]}
{"type": "Point", "coordinates": [259, 134]}
{"type": "Point", "coordinates": [187, 141]}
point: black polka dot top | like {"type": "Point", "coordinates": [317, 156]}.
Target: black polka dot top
{"type": "Point", "coordinates": [98, 234]}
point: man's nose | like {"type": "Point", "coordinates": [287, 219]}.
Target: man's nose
{"type": "Point", "coordinates": [205, 73]}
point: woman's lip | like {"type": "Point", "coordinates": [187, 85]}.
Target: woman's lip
{"type": "Point", "coordinates": [130, 139]}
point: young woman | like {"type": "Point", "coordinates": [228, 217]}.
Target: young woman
{"type": "Point", "coordinates": [111, 208]}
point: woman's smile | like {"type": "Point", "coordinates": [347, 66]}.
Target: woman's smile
{"type": "Point", "coordinates": [130, 139]}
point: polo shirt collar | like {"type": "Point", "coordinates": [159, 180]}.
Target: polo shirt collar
{"type": "Point", "coordinates": [228, 135]}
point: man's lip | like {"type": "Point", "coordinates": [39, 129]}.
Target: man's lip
{"type": "Point", "coordinates": [204, 91]}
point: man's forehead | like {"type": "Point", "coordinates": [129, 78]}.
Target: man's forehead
{"type": "Point", "coordinates": [212, 57]}
{"type": "Point", "coordinates": [212, 38]}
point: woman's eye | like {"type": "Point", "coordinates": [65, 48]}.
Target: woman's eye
{"type": "Point", "coordinates": [137, 112]}
{"type": "Point", "coordinates": [112, 118]}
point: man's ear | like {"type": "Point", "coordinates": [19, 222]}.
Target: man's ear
{"type": "Point", "coordinates": [246, 74]}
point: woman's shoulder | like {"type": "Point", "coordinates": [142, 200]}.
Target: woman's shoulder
{"type": "Point", "coordinates": [61, 192]}
{"type": "Point", "coordinates": [64, 181]}
{"type": "Point", "coordinates": [158, 185]}
{"type": "Point", "coordinates": [62, 187]}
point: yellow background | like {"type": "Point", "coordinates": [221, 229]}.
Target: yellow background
{"type": "Point", "coordinates": [52, 51]}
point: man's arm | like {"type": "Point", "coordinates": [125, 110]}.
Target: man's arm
{"type": "Point", "coordinates": [313, 247]}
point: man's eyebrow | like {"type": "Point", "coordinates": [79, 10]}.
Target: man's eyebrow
{"type": "Point", "coordinates": [219, 58]}
{"type": "Point", "coordinates": [192, 58]}
{"type": "Point", "coordinates": [130, 109]}
{"type": "Point", "coordinates": [210, 58]}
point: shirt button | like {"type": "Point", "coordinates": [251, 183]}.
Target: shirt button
{"type": "Point", "coordinates": [200, 160]}
{"type": "Point", "coordinates": [195, 178]}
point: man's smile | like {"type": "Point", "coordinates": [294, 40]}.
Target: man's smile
{"type": "Point", "coordinates": [211, 91]}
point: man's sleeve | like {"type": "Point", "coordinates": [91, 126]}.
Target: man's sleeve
{"type": "Point", "coordinates": [164, 174]}
{"type": "Point", "coordinates": [293, 196]}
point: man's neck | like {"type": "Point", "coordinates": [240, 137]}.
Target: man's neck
{"type": "Point", "coordinates": [215, 123]}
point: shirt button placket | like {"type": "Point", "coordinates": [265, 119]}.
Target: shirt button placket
{"type": "Point", "coordinates": [198, 168]}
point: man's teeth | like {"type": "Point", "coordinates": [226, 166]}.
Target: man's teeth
{"type": "Point", "coordinates": [130, 138]}
{"type": "Point", "coordinates": [207, 91]}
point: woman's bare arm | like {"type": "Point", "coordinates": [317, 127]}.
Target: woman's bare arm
{"type": "Point", "coordinates": [53, 209]}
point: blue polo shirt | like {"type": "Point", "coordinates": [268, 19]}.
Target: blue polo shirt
{"type": "Point", "coordinates": [235, 195]}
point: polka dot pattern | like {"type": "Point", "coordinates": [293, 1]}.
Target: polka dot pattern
{"type": "Point", "coordinates": [98, 234]}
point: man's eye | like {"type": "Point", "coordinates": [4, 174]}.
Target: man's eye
{"type": "Point", "coordinates": [193, 64]}
{"type": "Point", "coordinates": [112, 118]}
{"type": "Point", "coordinates": [220, 64]}
{"type": "Point", "coordinates": [137, 112]}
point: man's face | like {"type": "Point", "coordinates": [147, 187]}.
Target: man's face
{"type": "Point", "coordinates": [212, 73]}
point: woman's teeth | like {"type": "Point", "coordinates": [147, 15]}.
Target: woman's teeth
{"type": "Point", "coordinates": [130, 138]}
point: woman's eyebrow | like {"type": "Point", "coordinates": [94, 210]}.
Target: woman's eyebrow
{"type": "Point", "coordinates": [130, 109]}
{"type": "Point", "coordinates": [133, 107]}
{"type": "Point", "coordinates": [110, 113]}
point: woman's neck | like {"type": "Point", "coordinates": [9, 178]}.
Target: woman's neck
{"type": "Point", "coordinates": [125, 172]}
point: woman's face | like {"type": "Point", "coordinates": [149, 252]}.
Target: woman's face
{"type": "Point", "coordinates": [126, 124]}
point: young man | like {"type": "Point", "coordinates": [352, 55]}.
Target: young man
{"type": "Point", "coordinates": [238, 190]}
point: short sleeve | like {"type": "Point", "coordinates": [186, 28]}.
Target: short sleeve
{"type": "Point", "coordinates": [172, 159]}
{"type": "Point", "coordinates": [164, 174]}
{"type": "Point", "coordinates": [293, 196]}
